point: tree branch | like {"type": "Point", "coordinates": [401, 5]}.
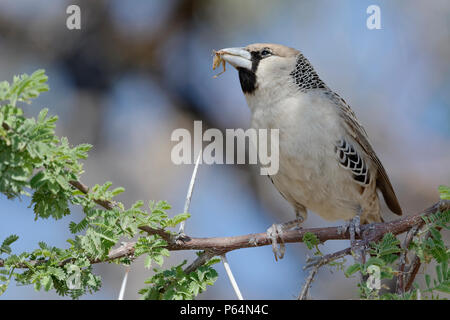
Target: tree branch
{"type": "Point", "coordinates": [403, 256]}
{"type": "Point", "coordinates": [316, 263]}
{"type": "Point", "coordinates": [221, 245]}
{"type": "Point", "coordinates": [304, 293]}
{"type": "Point", "coordinates": [412, 272]}
{"type": "Point", "coordinates": [320, 261]}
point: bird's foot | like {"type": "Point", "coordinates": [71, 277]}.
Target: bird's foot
{"type": "Point", "coordinates": [353, 226]}
{"type": "Point", "coordinates": [276, 231]}
{"type": "Point", "coordinates": [357, 246]}
{"type": "Point", "coordinates": [181, 237]}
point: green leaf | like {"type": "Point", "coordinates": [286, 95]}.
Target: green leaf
{"type": "Point", "coordinates": [117, 191]}
{"type": "Point", "coordinates": [3, 287]}
{"type": "Point", "coordinates": [428, 280]}
{"type": "Point", "coordinates": [213, 261]}
{"type": "Point", "coordinates": [62, 182]}
{"type": "Point", "coordinates": [311, 240]}
{"type": "Point", "coordinates": [148, 262]}
{"type": "Point", "coordinates": [444, 192]}
{"type": "Point", "coordinates": [375, 261]}
{"type": "Point", "coordinates": [158, 259]}
{"type": "Point", "coordinates": [175, 220]}
{"type": "Point", "coordinates": [444, 287]}
{"type": "Point", "coordinates": [42, 115]}
{"type": "Point", "coordinates": [106, 237]}
{"type": "Point", "coordinates": [5, 247]}
{"type": "Point", "coordinates": [352, 269]}
{"type": "Point", "coordinates": [138, 204]}
{"type": "Point", "coordinates": [439, 273]}
{"type": "Point", "coordinates": [82, 225]}
{"type": "Point", "coordinates": [47, 282]}
{"type": "Point", "coordinates": [53, 187]}
{"type": "Point", "coordinates": [9, 240]}
{"type": "Point", "coordinates": [37, 286]}
{"type": "Point", "coordinates": [38, 177]}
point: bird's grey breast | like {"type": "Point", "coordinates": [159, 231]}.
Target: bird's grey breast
{"type": "Point", "coordinates": [309, 126]}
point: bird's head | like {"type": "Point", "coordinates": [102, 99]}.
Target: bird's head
{"type": "Point", "coordinates": [269, 66]}
{"type": "Point", "coordinates": [261, 64]}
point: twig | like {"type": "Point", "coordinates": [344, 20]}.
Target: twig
{"type": "Point", "coordinates": [189, 193]}
{"type": "Point", "coordinates": [125, 250]}
{"type": "Point", "coordinates": [124, 283]}
{"type": "Point", "coordinates": [108, 205]}
{"type": "Point", "coordinates": [412, 272]}
{"type": "Point", "coordinates": [319, 261]}
{"type": "Point", "coordinates": [231, 277]}
{"type": "Point", "coordinates": [400, 286]}
{"type": "Point", "coordinates": [316, 263]}
{"type": "Point", "coordinates": [359, 254]}
{"type": "Point", "coordinates": [160, 232]}
{"type": "Point", "coordinates": [304, 293]}
{"type": "Point", "coordinates": [414, 268]}
{"type": "Point", "coordinates": [204, 257]}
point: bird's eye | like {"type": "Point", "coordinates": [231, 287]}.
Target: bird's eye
{"type": "Point", "coordinates": [265, 52]}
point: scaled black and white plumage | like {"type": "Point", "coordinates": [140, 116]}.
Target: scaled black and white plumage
{"type": "Point", "coordinates": [326, 161]}
{"type": "Point", "coordinates": [351, 160]}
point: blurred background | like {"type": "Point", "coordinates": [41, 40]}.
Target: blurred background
{"type": "Point", "coordinates": [139, 69]}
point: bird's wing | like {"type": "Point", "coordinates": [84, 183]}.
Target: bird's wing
{"type": "Point", "coordinates": [359, 134]}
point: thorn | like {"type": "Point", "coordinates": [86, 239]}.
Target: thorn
{"type": "Point", "coordinates": [231, 277]}
{"type": "Point", "coordinates": [190, 190]}
{"type": "Point", "coordinates": [124, 283]}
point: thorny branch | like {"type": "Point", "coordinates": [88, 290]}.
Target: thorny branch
{"type": "Point", "coordinates": [304, 293]}
{"type": "Point", "coordinates": [220, 245]}
{"type": "Point", "coordinates": [316, 263]}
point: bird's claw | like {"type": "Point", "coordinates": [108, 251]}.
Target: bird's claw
{"type": "Point", "coordinates": [352, 225]}
{"type": "Point", "coordinates": [354, 228]}
{"type": "Point", "coordinates": [181, 237]}
{"type": "Point", "coordinates": [357, 224]}
{"type": "Point", "coordinates": [275, 232]}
